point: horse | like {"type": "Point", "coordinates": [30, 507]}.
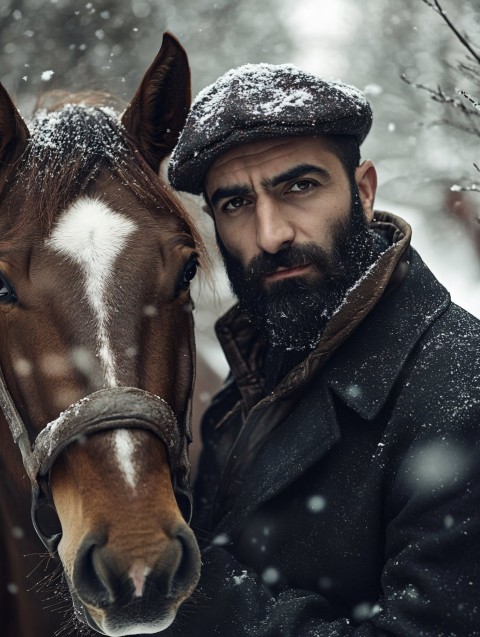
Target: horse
{"type": "Point", "coordinates": [97, 360]}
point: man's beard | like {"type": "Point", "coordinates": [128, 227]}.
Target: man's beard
{"type": "Point", "coordinates": [292, 313]}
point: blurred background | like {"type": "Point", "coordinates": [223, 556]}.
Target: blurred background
{"type": "Point", "coordinates": [424, 141]}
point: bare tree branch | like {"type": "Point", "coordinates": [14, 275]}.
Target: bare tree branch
{"type": "Point", "coordinates": [461, 127]}
{"type": "Point", "coordinates": [471, 188]}
{"type": "Point", "coordinates": [436, 6]}
{"type": "Point", "coordinates": [470, 99]}
{"type": "Point", "coordinates": [438, 95]}
{"type": "Point", "coordinates": [469, 72]}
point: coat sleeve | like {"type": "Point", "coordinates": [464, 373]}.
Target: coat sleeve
{"type": "Point", "coordinates": [430, 580]}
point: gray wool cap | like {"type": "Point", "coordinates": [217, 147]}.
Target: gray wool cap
{"type": "Point", "coordinates": [262, 101]}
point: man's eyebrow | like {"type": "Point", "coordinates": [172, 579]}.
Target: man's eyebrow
{"type": "Point", "coordinates": [239, 190]}
{"type": "Point", "coordinates": [294, 173]}
{"type": "Point", "coordinates": [229, 191]}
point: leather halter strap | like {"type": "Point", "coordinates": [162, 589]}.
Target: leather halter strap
{"type": "Point", "coordinates": [17, 427]}
{"type": "Point", "coordinates": [107, 409]}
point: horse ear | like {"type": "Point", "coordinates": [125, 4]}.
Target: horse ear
{"type": "Point", "coordinates": [157, 112]}
{"type": "Point", "coordinates": [13, 130]}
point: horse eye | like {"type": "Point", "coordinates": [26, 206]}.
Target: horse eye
{"type": "Point", "coordinates": [6, 293]}
{"type": "Point", "coordinates": [189, 273]}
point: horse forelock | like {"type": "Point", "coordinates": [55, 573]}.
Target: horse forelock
{"type": "Point", "coordinates": [69, 147]}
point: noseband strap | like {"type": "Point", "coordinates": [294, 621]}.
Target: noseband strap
{"type": "Point", "coordinates": [107, 409]}
{"type": "Point", "coordinates": [117, 408]}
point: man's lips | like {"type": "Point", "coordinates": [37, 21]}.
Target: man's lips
{"type": "Point", "coordinates": [286, 273]}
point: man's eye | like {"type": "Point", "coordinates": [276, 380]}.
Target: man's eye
{"type": "Point", "coordinates": [235, 203]}
{"type": "Point", "coordinates": [302, 185]}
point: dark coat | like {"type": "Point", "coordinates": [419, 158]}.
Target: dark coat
{"type": "Point", "coordinates": [360, 516]}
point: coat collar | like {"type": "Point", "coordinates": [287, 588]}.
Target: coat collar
{"type": "Point", "coordinates": [365, 368]}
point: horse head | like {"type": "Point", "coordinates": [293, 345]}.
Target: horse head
{"type": "Point", "coordinates": [97, 353]}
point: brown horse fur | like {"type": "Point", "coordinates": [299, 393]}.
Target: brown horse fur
{"type": "Point", "coordinates": [115, 539]}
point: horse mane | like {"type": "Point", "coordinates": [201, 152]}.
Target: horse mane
{"type": "Point", "coordinates": [73, 137]}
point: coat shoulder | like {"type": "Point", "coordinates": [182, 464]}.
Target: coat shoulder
{"type": "Point", "coordinates": [447, 357]}
{"type": "Point", "coordinates": [438, 397]}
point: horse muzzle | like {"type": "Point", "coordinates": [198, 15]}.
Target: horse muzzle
{"type": "Point", "coordinates": [105, 593]}
{"type": "Point", "coordinates": [108, 601]}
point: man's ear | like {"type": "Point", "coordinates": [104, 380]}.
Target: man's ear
{"type": "Point", "coordinates": [157, 112]}
{"type": "Point", "coordinates": [366, 179]}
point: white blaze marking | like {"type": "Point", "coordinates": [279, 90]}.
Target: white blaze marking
{"type": "Point", "coordinates": [138, 573]}
{"type": "Point", "coordinates": [125, 443]}
{"type": "Point", "coordinates": [93, 235]}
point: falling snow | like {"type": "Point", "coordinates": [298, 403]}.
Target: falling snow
{"type": "Point", "coordinates": [47, 76]}
{"type": "Point", "coordinates": [316, 503]}
{"type": "Point", "coordinates": [271, 576]}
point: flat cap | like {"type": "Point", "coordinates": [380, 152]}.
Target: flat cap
{"type": "Point", "coordinates": [261, 101]}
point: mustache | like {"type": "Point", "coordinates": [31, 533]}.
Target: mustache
{"type": "Point", "coordinates": [294, 256]}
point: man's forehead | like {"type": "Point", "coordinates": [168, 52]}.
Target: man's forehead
{"type": "Point", "coordinates": [265, 155]}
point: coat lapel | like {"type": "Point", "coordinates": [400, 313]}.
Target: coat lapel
{"type": "Point", "coordinates": [300, 441]}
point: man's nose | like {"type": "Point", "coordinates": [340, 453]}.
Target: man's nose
{"type": "Point", "coordinates": [274, 231]}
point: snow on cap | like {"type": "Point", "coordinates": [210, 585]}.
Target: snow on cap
{"type": "Point", "coordinates": [261, 101]}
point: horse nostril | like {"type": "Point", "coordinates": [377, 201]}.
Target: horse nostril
{"type": "Point", "coordinates": [99, 580]}
{"type": "Point", "coordinates": [188, 570]}
{"type": "Point", "coordinates": [93, 578]}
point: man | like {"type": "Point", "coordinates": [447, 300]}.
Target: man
{"type": "Point", "coordinates": [339, 486]}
